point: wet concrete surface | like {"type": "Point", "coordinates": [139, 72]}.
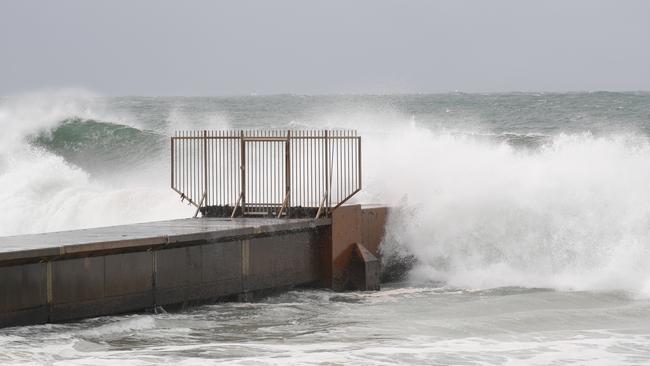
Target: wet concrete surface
{"type": "Point", "coordinates": [22, 247]}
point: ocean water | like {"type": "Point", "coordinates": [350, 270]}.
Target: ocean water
{"type": "Point", "coordinates": [526, 218]}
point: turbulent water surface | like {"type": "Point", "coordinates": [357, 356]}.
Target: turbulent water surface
{"type": "Point", "coordinates": [527, 217]}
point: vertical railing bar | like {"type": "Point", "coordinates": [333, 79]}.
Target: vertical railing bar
{"type": "Point", "coordinates": [334, 157]}
{"type": "Point", "coordinates": [187, 165]}
{"type": "Point", "coordinates": [190, 165]}
{"type": "Point", "coordinates": [359, 161]}
{"type": "Point", "coordinates": [311, 169]}
{"type": "Point", "coordinates": [354, 162]}
{"type": "Point", "coordinates": [242, 160]}
{"type": "Point", "coordinates": [195, 171]}
{"type": "Point", "coordinates": [250, 174]}
{"type": "Point", "coordinates": [216, 168]}
{"type": "Point", "coordinates": [271, 177]}
{"type": "Point", "coordinates": [267, 161]}
{"type": "Point", "coordinates": [258, 180]}
{"type": "Point", "coordinates": [266, 173]}
{"type": "Point", "coordinates": [217, 173]}
{"type": "Point", "coordinates": [258, 169]}
{"type": "Point", "coordinates": [325, 167]}
{"type": "Point", "coordinates": [226, 166]}
{"type": "Point", "coordinates": [211, 177]}
{"type": "Point", "coordinates": [278, 168]}
{"type": "Point", "coordinates": [259, 145]}
{"type": "Point", "coordinates": [172, 161]}
{"type": "Point", "coordinates": [347, 165]}
{"type": "Point", "coordinates": [182, 162]}
{"type": "Point", "coordinates": [334, 166]}
{"type": "Point", "coordinates": [343, 163]}
{"type": "Point", "coordinates": [287, 172]}
{"type": "Point", "coordinates": [340, 165]}
{"type": "Point", "coordinates": [305, 177]}
{"type": "Point", "coordinates": [205, 165]}
{"type": "Point", "coordinates": [207, 179]}
{"type": "Point", "coordinates": [222, 169]}
{"type": "Point", "coordinates": [257, 173]}
{"type": "Point", "coordinates": [315, 177]}
{"type": "Point", "coordinates": [230, 147]}
{"type": "Point", "coordinates": [276, 176]}
{"type": "Point", "coordinates": [262, 178]}
{"type": "Point", "coordinates": [350, 164]}
{"type": "Point", "coordinates": [303, 171]}
{"type": "Point", "coordinates": [301, 175]}
{"type": "Point", "coordinates": [342, 175]}
{"type": "Point", "coordinates": [252, 179]}
{"type": "Point", "coordinates": [268, 192]}
{"type": "Point", "coordinates": [197, 168]}
{"type": "Point", "coordinates": [219, 186]}
{"type": "Point", "coordinates": [279, 179]}
{"type": "Point", "coordinates": [233, 146]}
{"type": "Point", "coordinates": [307, 172]}
{"type": "Point", "coordinates": [346, 160]}
{"type": "Point", "coordinates": [294, 170]}
{"type": "Point", "coordinates": [319, 160]}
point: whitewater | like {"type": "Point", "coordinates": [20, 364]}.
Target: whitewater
{"type": "Point", "coordinates": [523, 220]}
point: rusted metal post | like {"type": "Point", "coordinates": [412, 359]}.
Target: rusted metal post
{"type": "Point", "coordinates": [172, 162]}
{"type": "Point", "coordinates": [242, 150]}
{"type": "Point", "coordinates": [287, 172]}
{"type": "Point", "coordinates": [359, 162]}
{"type": "Point", "coordinates": [205, 167]}
{"type": "Point", "coordinates": [327, 188]}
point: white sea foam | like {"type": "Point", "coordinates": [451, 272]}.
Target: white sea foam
{"type": "Point", "coordinates": [120, 327]}
{"type": "Point", "coordinates": [573, 214]}
{"type": "Point", "coordinates": [42, 192]}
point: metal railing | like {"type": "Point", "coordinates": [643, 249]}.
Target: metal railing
{"type": "Point", "coordinates": [295, 173]}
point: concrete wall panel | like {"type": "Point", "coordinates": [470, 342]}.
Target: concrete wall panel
{"type": "Point", "coordinates": [129, 273]}
{"type": "Point", "coordinates": [23, 287]}
{"type": "Point", "coordinates": [221, 261]}
{"type": "Point", "coordinates": [286, 260]}
{"type": "Point", "coordinates": [178, 267]}
{"type": "Point", "coordinates": [75, 280]}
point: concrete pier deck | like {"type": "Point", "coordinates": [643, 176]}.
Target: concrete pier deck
{"type": "Point", "coordinates": [37, 247]}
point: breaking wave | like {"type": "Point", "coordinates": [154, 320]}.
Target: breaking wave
{"type": "Point", "coordinates": [570, 212]}
{"type": "Point", "coordinates": [63, 167]}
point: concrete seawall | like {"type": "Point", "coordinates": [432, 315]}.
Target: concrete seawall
{"type": "Point", "coordinates": [84, 273]}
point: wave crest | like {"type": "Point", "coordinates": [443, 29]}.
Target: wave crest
{"type": "Point", "coordinates": [573, 213]}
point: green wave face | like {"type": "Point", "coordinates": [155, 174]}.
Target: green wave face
{"type": "Point", "coordinates": [94, 145]}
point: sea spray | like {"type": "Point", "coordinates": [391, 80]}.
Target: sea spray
{"type": "Point", "coordinates": [573, 213]}
{"type": "Point", "coordinates": [45, 173]}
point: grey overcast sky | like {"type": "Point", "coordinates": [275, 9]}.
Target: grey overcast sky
{"type": "Point", "coordinates": [240, 47]}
